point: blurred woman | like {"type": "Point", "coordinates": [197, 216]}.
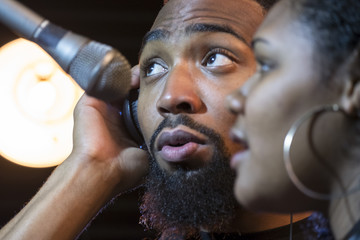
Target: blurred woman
{"type": "Point", "coordinates": [299, 115]}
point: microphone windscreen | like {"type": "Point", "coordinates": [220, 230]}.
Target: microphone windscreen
{"type": "Point", "coordinates": [101, 71]}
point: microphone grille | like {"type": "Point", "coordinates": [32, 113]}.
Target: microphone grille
{"type": "Point", "coordinates": [101, 71]}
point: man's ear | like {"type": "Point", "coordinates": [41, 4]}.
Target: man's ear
{"type": "Point", "coordinates": [351, 76]}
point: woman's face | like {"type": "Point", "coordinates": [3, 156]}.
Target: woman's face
{"type": "Point", "coordinates": [286, 86]}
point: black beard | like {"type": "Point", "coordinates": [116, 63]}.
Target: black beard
{"type": "Point", "coordinates": [181, 203]}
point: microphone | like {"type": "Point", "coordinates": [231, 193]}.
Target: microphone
{"type": "Point", "coordinates": [100, 70]}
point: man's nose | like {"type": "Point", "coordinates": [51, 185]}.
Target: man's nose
{"type": "Point", "coordinates": [180, 94]}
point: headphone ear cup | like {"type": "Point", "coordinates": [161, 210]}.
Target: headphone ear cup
{"type": "Point", "coordinates": [130, 117]}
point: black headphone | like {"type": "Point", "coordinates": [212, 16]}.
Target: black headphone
{"type": "Point", "coordinates": [130, 117]}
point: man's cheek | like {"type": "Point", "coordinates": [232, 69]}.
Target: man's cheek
{"type": "Point", "coordinates": [147, 124]}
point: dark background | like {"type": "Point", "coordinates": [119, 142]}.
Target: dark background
{"type": "Point", "coordinates": [118, 23]}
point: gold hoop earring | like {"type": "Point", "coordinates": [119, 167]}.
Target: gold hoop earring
{"type": "Point", "coordinates": [287, 145]}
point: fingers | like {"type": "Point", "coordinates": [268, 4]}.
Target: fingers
{"type": "Point", "coordinates": [135, 77]}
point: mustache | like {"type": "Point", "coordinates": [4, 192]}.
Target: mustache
{"type": "Point", "coordinates": [175, 200]}
{"type": "Point", "coordinates": [185, 120]}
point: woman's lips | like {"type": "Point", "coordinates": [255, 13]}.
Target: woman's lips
{"type": "Point", "coordinates": [178, 145]}
{"type": "Point", "coordinates": [238, 137]}
{"type": "Point", "coordinates": [238, 158]}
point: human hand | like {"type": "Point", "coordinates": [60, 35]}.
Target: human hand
{"type": "Point", "coordinates": [101, 139]}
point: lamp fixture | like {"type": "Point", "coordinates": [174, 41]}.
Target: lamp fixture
{"type": "Point", "coordinates": [37, 99]}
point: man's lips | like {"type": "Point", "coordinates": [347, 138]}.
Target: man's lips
{"type": "Point", "coordinates": [178, 145]}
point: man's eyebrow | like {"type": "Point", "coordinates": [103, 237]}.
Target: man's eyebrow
{"type": "Point", "coordinates": [202, 27]}
{"type": "Point", "coordinates": [160, 34]}
{"type": "Point", "coordinates": [154, 35]}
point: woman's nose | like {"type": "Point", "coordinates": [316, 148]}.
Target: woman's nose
{"type": "Point", "coordinates": [235, 102]}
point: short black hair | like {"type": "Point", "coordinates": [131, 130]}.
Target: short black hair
{"type": "Point", "coordinates": [334, 28]}
{"type": "Point", "coordinates": [265, 4]}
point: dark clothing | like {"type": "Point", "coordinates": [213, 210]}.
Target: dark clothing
{"type": "Point", "coordinates": [282, 233]}
{"type": "Point", "coordinates": [315, 227]}
{"type": "Point", "coordinates": [354, 234]}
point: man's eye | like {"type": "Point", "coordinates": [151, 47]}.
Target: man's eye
{"type": "Point", "coordinates": [154, 68]}
{"type": "Point", "coordinates": [217, 60]}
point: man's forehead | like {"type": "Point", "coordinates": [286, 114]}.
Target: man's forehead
{"type": "Point", "coordinates": [242, 16]}
{"type": "Point", "coordinates": [164, 35]}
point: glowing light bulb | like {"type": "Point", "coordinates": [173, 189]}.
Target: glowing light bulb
{"type": "Point", "coordinates": [41, 98]}
{"type": "Point", "coordinates": [36, 102]}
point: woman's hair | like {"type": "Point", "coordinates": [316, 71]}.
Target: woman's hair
{"type": "Point", "coordinates": [266, 4]}
{"type": "Point", "coordinates": [334, 27]}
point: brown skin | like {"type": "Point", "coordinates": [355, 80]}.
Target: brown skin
{"type": "Point", "coordinates": [177, 77]}
{"type": "Point", "coordinates": [286, 86]}
{"type": "Point", "coordinates": [105, 162]}
{"type": "Point", "coordinates": [278, 84]}
{"type": "Point", "coordinates": [185, 77]}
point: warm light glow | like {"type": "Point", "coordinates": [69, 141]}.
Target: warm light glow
{"type": "Point", "coordinates": [37, 100]}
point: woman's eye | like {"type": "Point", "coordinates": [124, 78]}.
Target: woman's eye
{"type": "Point", "coordinates": [217, 60]}
{"type": "Point", "coordinates": [154, 68]}
{"type": "Point", "coordinates": [263, 67]}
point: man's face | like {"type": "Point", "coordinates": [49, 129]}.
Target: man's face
{"type": "Point", "coordinates": [196, 53]}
